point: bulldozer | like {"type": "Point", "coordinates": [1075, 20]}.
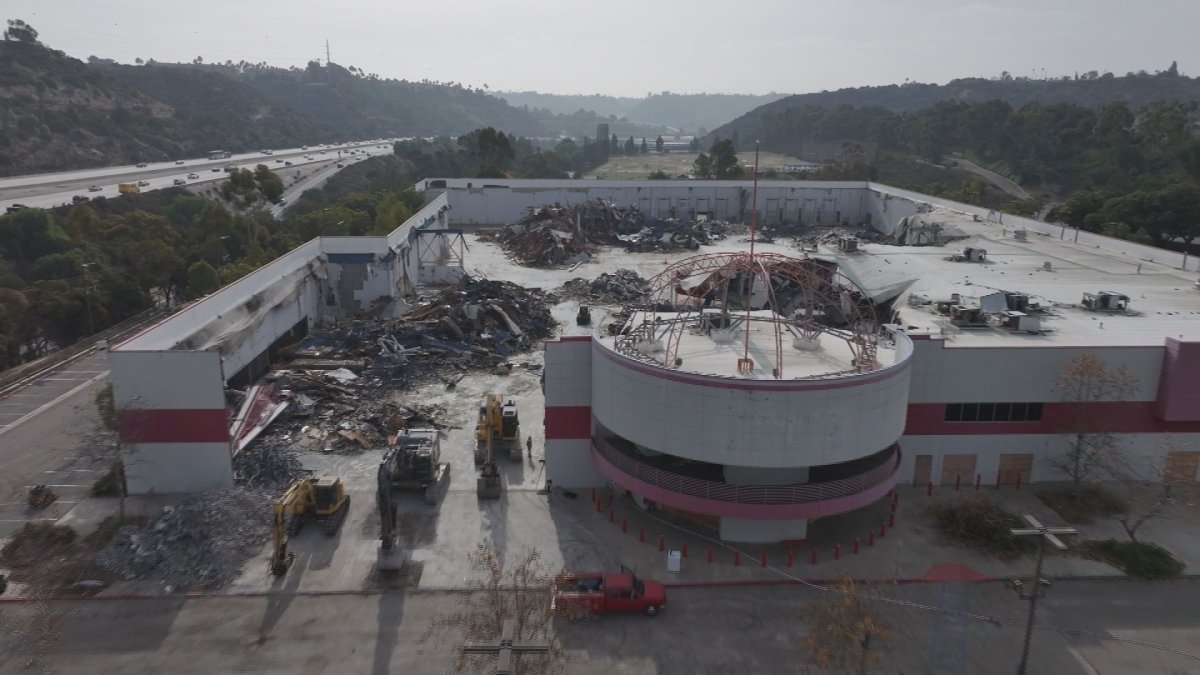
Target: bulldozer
{"type": "Point", "coordinates": [498, 425]}
{"type": "Point", "coordinates": [323, 498]}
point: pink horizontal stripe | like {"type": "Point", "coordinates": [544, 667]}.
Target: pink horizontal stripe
{"type": "Point", "coordinates": [568, 422]}
{"type": "Point", "coordinates": [173, 426]}
{"type": "Point", "coordinates": [721, 382]}
{"type": "Point", "coordinates": [715, 507]}
{"type": "Point", "coordinates": [1121, 417]}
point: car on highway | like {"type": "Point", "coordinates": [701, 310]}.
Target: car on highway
{"type": "Point", "coordinates": [216, 169]}
{"type": "Point", "coordinates": [94, 188]}
{"type": "Point", "coordinates": [287, 163]}
{"type": "Point", "coordinates": [13, 208]}
{"type": "Point", "coordinates": [341, 165]}
{"type": "Point", "coordinates": [178, 162]}
{"type": "Point", "coordinates": [141, 165]}
{"type": "Point", "coordinates": [78, 199]}
{"type": "Point", "coordinates": [279, 161]}
{"type": "Point", "coordinates": [179, 181]}
{"type": "Point", "coordinates": [193, 176]}
{"type": "Point", "coordinates": [143, 183]}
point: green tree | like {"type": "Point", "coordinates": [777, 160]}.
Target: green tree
{"type": "Point", "coordinates": [202, 279]}
{"type": "Point", "coordinates": [630, 147]}
{"type": "Point", "coordinates": [659, 144]}
{"type": "Point", "coordinates": [19, 31]}
{"type": "Point", "coordinates": [724, 161]}
{"type": "Point", "coordinates": [658, 175]}
{"type": "Point", "coordinates": [154, 264]}
{"type": "Point", "coordinates": [644, 148]}
{"type": "Point", "coordinates": [695, 144]}
{"type": "Point", "coordinates": [702, 168]}
{"type": "Point", "coordinates": [269, 183]}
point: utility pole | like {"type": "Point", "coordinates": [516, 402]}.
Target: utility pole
{"type": "Point", "coordinates": [1037, 584]}
{"type": "Point", "coordinates": [327, 61]}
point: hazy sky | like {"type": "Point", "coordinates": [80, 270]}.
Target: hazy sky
{"type": "Point", "coordinates": [628, 47]}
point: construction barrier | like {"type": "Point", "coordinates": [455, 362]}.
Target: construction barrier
{"type": "Point", "coordinates": [929, 489]}
{"type": "Point", "coordinates": [871, 538]}
{"type": "Point", "coordinates": [624, 524]}
{"type": "Point", "coordinates": [683, 550]}
{"type": "Point", "coordinates": [892, 519]}
{"type": "Point", "coordinates": [882, 530]}
{"type": "Point", "coordinates": [710, 554]}
{"type": "Point", "coordinates": [641, 534]}
{"type": "Point", "coordinates": [737, 558]}
{"type": "Point", "coordinates": [856, 546]}
{"type": "Point", "coordinates": [662, 543]}
{"type": "Point", "coordinates": [837, 551]}
{"type": "Point", "coordinates": [813, 557]}
{"type": "Point", "coordinates": [790, 559]}
{"type": "Point", "coordinates": [957, 481]}
{"type": "Point", "coordinates": [978, 479]}
{"type": "Point", "coordinates": [763, 560]}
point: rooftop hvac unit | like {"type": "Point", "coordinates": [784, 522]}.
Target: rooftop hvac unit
{"type": "Point", "coordinates": [1021, 235]}
{"type": "Point", "coordinates": [975, 254]}
{"type": "Point", "coordinates": [848, 244]}
{"type": "Point", "coordinates": [1106, 301]}
{"type": "Point", "coordinates": [1017, 302]}
{"type": "Point", "coordinates": [1049, 267]}
{"type": "Point", "coordinates": [1022, 322]}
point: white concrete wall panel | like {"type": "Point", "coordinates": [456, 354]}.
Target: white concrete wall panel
{"type": "Point", "coordinates": [167, 468]}
{"type": "Point", "coordinates": [568, 373]}
{"type": "Point", "coordinates": [167, 380]}
{"type": "Point", "coordinates": [766, 426]}
{"type": "Point", "coordinates": [943, 373]}
{"type": "Point", "coordinates": [505, 201]}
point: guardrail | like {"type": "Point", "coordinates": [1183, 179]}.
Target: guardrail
{"type": "Point", "coordinates": [15, 378]}
{"type": "Point", "coordinates": [748, 494]}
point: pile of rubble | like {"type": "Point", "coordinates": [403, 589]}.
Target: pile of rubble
{"type": "Point", "coordinates": [335, 386]}
{"type": "Point", "coordinates": [553, 236]}
{"type": "Point", "coordinates": [266, 466]}
{"type": "Point", "coordinates": [617, 288]}
{"type": "Point", "coordinates": [206, 541]}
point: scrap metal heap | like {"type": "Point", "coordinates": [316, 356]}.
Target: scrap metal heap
{"type": "Point", "coordinates": [617, 288]}
{"type": "Point", "coordinates": [555, 235]}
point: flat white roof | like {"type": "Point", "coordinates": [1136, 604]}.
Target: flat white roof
{"type": "Point", "coordinates": [1163, 301]}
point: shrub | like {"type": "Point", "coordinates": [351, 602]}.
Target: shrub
{"type": "Point", "coordinates": [35, 542]}
{"type": "Point", "coordinates": [1094, 502]}
{"type": "Point", "coordinates": [1135, 558]}
{"type": "Point", "coordinates": [979, 523]}
{"type": "Point", "coordinates": [108, 484]}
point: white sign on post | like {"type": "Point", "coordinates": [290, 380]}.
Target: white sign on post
{"type": "Point", "coordinates": [674, 560]}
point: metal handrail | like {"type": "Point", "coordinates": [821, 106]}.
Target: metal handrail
{"type": "Point", "coordinates": [747, 494]}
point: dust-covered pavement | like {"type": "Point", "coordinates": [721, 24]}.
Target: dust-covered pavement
{"type": "Point", "coordinates": [726, 630]}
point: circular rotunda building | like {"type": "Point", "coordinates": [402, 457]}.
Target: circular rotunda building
{"type": "Point", "coordinates": [753, 393]}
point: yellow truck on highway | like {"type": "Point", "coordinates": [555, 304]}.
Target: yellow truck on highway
{"type": "Point", "coordinates": [128, 188]}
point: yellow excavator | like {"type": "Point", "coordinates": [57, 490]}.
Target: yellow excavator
{"type": "Point", "coordinates": [498, 424]}
{"type": "Point", "coordinates": [323, 498]}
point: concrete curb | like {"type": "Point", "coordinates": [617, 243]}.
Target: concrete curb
{"type": "Point", "coordinates": [729, 583]}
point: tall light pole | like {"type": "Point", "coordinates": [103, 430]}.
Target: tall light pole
{"type": "Point", "coordinates": [1044, 535]}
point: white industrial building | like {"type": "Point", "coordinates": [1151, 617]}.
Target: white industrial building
{"type": "Point", "coordinates": [756, 431]}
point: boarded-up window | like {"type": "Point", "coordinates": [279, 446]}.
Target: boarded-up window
{"type": "Point", "coordinates": [955, 467]}
{"type": "Point", "coordinates": [922, 469]}
{"type": "Point", "coordinates": [1181, 466]}
{"type": "Point", "coordinates": [1014, 468]}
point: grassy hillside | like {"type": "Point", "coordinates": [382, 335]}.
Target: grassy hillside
{"type": "Point", "coordinates": [56, 112]}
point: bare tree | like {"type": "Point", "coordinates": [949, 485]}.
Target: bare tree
{"type": "Point", "coordinates": [845, 628]}
{"type": "Point", "coordinates": [1148, 488]}
{"type": "Point", "coordinates": [1090, 450]}
{"type": "Point", "coordinates": [519, 589]}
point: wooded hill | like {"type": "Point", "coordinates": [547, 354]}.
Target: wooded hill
{"type": "Point", "coordinates": [57, 112]}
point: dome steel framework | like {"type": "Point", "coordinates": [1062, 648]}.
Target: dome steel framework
{"type": "Point", "coordinates": [723, 294]}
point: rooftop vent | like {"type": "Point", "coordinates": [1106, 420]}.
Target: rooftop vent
{"type": "Point", "coordinates": [848, 244]}
{"type": "Point", "coordinates": [1021, 235]}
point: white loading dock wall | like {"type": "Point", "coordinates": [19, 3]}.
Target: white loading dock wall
{"type": "Point", "coordinates": [499, 202]}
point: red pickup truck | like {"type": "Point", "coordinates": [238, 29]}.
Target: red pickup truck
{"type": "Point", "coordinates": [600, 593]}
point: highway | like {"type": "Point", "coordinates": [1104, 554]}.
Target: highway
{"type": "Point", "coordinates": [57, 189]}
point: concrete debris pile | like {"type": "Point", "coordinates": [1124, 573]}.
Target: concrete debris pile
{"type": "Point", "coordinates": [554, 236]}
{"type": "Point", "coordinates": [204, 542]}
{"type": "Point", "coordinates": [266, 466]}
{"type": "Point", "coordinates": [477, 323]}
{"type": "Point", "coordinates": [338, 383]}
{"type": "Point", "coordinates": [617, 288]}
